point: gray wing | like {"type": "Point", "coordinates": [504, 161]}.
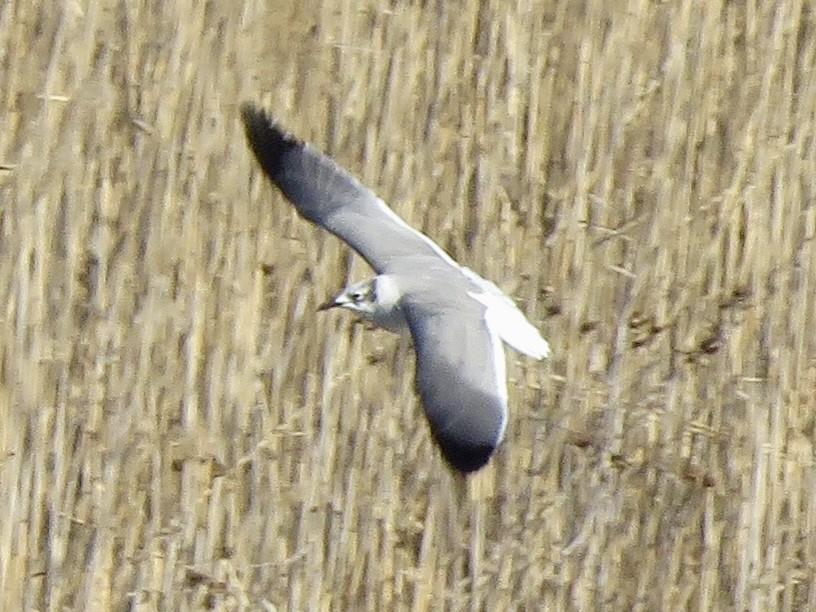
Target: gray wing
{"type": "Point", "coordinates": [330, 197]}
{"type": "Point", "coordinates": [460, 377]}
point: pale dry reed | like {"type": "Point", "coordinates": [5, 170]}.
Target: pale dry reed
{"type": "Point", "coordinates": [180, 429]}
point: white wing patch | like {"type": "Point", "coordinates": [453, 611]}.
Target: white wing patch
{"type": "Point", "coordinates": [506, 320]}
{"type": "Point", "coordinates": [500, 366]}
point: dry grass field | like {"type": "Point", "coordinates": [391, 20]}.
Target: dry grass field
{"type": "Point", "coordinates": [181, 430]}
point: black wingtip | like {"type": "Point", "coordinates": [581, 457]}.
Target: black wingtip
{"type": "Point", "coordinates": [268, 141]}
{"type": "Point", "coordinates": [464, 456]}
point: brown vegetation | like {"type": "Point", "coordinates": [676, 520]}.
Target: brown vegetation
{"type": "Point", "coordinates": [179, 428]}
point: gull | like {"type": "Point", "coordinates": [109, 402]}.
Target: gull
{"type": "Point", "coordinates": [457, 319]}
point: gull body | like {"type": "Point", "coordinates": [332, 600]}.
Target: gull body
{"type": "Point", "coordinates": [457, 319]}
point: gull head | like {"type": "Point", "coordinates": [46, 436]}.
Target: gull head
{"type": "Point", "coordinates": [375, 300]}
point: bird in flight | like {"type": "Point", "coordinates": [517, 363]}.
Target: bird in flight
{"type": "Point", "coordinates": [457, 319]}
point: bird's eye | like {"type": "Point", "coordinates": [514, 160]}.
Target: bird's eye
{"type": "Point", "coordinates": [357, 296]}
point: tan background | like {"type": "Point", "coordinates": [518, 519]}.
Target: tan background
{"type": "Point", "coordinates": [179, 429]}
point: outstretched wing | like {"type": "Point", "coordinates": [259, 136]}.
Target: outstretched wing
{"type": "Point", "coordinates": [460, 377]}
{"type": "Point", "coordinates": [330, 197]}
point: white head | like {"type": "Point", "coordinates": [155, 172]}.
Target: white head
{"type": "Point", "coordinates": [375, 300]}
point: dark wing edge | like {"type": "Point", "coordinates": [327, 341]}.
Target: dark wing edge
{"type": "Point", "coordinates": [461, 381]}
{"type": "Point", "coordinates": [267, 140]}
{"type": "Point", "coordinates": [275, 149]}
